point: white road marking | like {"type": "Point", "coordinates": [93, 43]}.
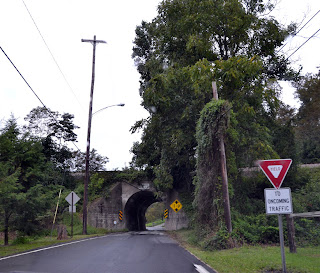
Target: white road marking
{"type": "Point", "coordinates": [200, 268]}
{"type": "Point", "coordinates": [50, 247]}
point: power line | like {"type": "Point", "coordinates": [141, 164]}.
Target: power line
{"type": "Point", "coordinates": [35, 93]}
{"type": "Point", "coordinates": [304, 37]}
{"type": "Point", "coordinates": [54, 59]}
{"type": "Point", "coordinates": [301, 28]}
{"type": "Point", "coordinates": [23, 78]}
{"type": "Point", "coordinates": [303, 43]}
{"type": "Point", "coordinates": [308, 22]}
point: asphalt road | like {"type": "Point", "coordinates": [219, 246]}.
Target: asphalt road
{"type": "Point", "coordinates": [141, 252]}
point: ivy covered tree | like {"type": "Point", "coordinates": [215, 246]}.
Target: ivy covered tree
{"type": "Point", "coordinates": [213, 123]}
{"type": "Point", "coordinates": [188, 45]}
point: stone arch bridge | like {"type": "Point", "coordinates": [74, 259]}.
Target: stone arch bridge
{"type": "Point", "coordinates": [127, 204]}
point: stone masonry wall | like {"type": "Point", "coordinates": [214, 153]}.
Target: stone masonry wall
{"type": "Point", "coordinates": [104, 213]}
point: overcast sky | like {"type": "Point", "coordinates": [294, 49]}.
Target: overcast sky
{"type": "Point", "coordinates": [63, 23]}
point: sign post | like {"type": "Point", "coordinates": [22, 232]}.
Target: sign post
{"type": "Point", "coordinates": [278, 201]}
{"type": "Point", "coordinates": [72, 199]}
{"type": "Point", "coordinates": [283, 257]}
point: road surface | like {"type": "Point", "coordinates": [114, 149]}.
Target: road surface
{"type": "Point", "coordinates": [157, 228]}
{"type": "Point", "coordinates": [132, 252]}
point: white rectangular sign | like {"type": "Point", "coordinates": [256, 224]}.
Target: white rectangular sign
{"type": "Point", "coordinates": [74, 209]}
{"type": "Point", "coordinates": [278, 201]}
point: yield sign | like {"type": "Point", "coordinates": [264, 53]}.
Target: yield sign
{"type": "Point", "coordinates": [275, 170]}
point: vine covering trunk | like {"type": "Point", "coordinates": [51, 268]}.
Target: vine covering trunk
{"type": "Point", "coordinates": [213, 121]}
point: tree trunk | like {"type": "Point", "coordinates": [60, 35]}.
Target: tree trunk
{"type": "Point", "coordinates": [291, 234]}
{"type": "Point", "coordinates": [6, 228]}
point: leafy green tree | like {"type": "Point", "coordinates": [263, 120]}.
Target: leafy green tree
{"type": "Point", "coordinates": [187, 31]}
{"type": "Point", "coordinates": [9, 195]}
{"type": "Point", "coordinates": [155, 212]}
{"type": "Point", "coordinates": [23, 170]}
{"type": "Point", "coordinates": [43, 123]}
{"type": "Point", "coordinates": [55, 131]}
{"type": "Point", "coordinates": [308, 118]}
{"type": "Point", "coordinates": [96, 161]}
{"type": "Point", "coordinates": [188, 45]}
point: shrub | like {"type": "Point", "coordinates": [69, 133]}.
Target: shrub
{"type": "Point", "coordinates": [21, 240]}
{"type": "Point", "coordinates": [220, 240]}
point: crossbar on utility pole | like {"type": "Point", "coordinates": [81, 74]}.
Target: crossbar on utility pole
{"type": "Point", "coordinates": [86, 181]}
{"type": "Point", "coordinates": [224, 175]}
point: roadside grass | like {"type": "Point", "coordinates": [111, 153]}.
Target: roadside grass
{"type": "Point", "coordinates": [155, 223]}
{"type": "Point", "coordinates": [250, 259]}
{"type": "Point", "coordinates": [25, 243]}
{"type": "Point", "coordinates": [36, 243]}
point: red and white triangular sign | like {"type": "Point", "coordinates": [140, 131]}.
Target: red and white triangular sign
{"type": "Point", "coordinates": [275, 170]}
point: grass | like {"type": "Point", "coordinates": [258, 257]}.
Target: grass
{"type": "Point", "coordinates": [250, 259]}
{"type": "Point", "coordinates": [37, 243]}
{"type": "Point", "coordinates": [155, 223]}
{"type": "Point", "coordinates": [25, 243]}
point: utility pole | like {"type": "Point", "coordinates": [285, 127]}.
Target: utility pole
{"type": "Point", "coordinates": [86, 181]}
{"type": "Point", "coordinates": [224, 175]}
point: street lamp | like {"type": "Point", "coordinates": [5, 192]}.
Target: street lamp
{"type": "Point", "coordinates": [120, 104]}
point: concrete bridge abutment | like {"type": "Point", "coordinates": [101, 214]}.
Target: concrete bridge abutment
{"type": "Point", "coordinates": [127, 204]}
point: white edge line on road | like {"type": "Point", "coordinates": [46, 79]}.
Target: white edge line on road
{"type": "Point", "coordinates": [200, 268]}
{"type": "Point", "coordinates": [50, 247]}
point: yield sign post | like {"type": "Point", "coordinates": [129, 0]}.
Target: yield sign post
{"type": "Point", "coordinates": [275, 170]}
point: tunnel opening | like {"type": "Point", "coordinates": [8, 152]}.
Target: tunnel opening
{"type": "Point", "coordinates": [135, 210]}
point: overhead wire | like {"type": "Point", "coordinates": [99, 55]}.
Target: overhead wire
{"type": "Point", "coordinates": [304, 37]}
{"type": "Point", "coordinates": [303, 43]}
{"type": "Point", "coordinates": [301, 28]}
{"type": "Point", "coordinates": [54, 59]}
{"type": "Point", "coordinates": [34, 92]}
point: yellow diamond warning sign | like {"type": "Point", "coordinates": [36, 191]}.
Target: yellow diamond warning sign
{"type": "Point", "coordinates": [176, 206]}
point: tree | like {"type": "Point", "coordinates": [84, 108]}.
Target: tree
{"type": "Point", "coordinates": [22, 172]}
{"type": "Point", "coordinates": [167, 147]}
{"type": "Point", "coordinates": [43, 123]}
{"type": "Point", "coordinates": [308, 118]}
{"type": "Point", "coordinates": [97, 162]}
{"type": "Point", "coordinates": [9, 195]}
{"type": "Point", "coordinates": [55, 132]}
{"type": "Point", "coordinates": [187, 31]}
{"type": "Point", "coordinates": [213, 123]}
{"type": "Point", "coordinates": [186, 47]}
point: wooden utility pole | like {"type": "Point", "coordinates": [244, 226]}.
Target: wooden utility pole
{"type": "Point", "coordinates": [291, 234]}
{"type": "Point", "coordinates": [86, 181]}
{"type": "Point", "coordinates": [224, 175]}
